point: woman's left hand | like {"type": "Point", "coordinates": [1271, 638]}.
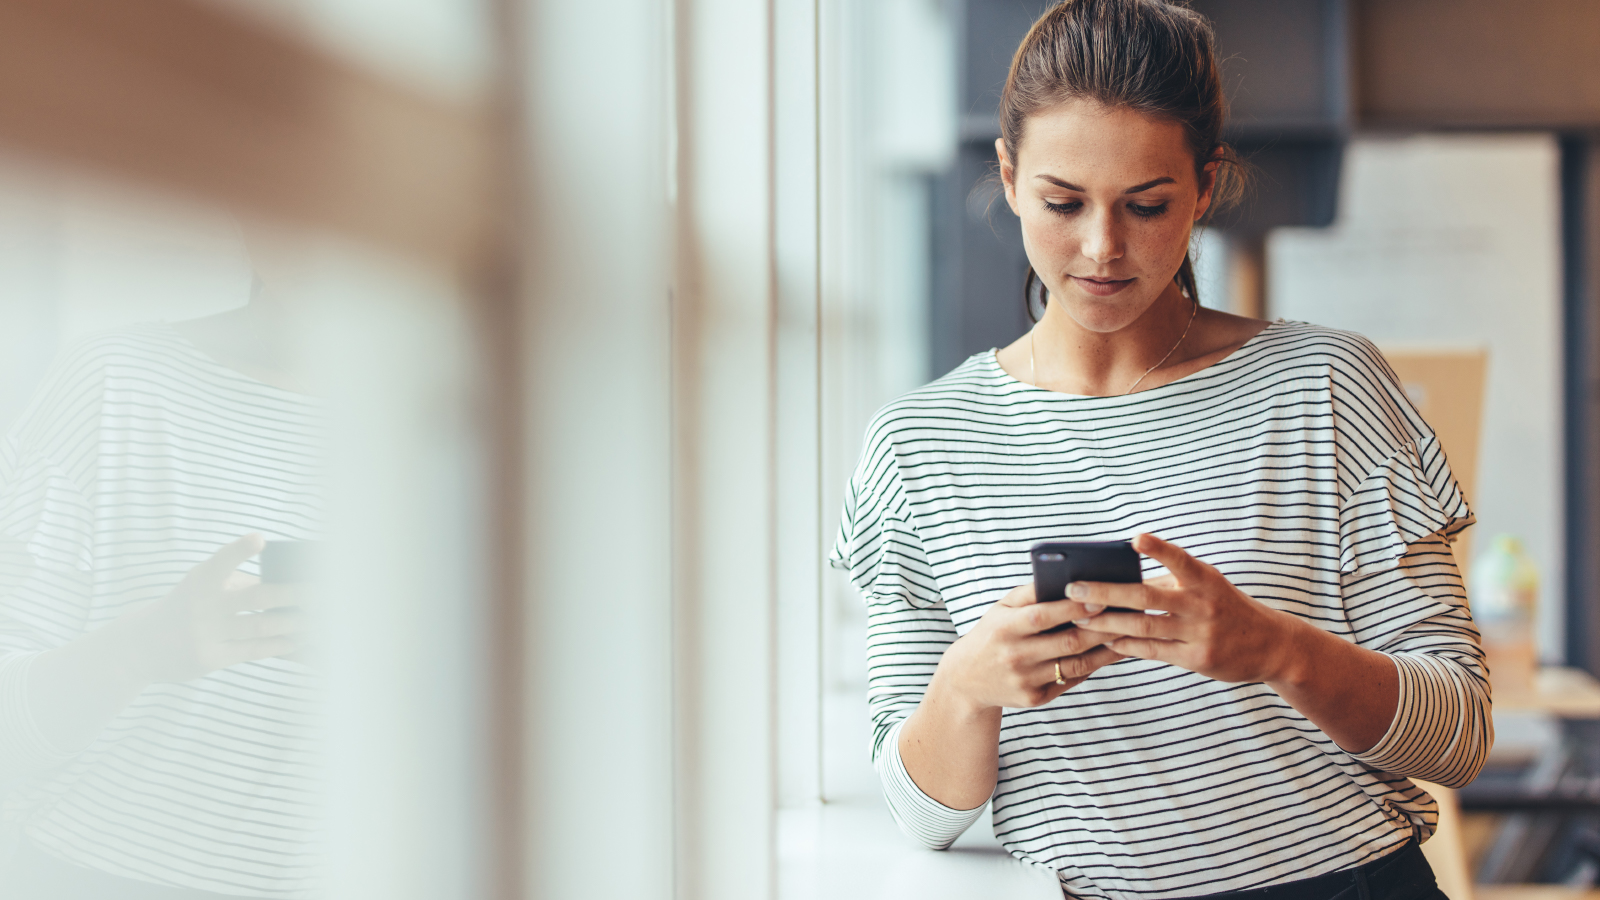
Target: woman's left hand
{"type": "Point", "coordinates": [1208, 626]}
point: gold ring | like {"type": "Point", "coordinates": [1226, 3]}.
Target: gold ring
{"type": "Point", "coordinates": [1059, 679]}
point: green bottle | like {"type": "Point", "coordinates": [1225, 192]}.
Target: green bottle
{"type": "Point", "coordinates": [1504, 595]}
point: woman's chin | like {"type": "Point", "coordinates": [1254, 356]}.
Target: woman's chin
{"type": "Point", "coordinates": [1105, 316]}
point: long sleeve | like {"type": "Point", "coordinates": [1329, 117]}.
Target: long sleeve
{"type": "Point", "coordinates": [42, 606]}
{"type": "Point", "coordinates": [903, 649]}
{"type": "Point", "coordinates": [908, 630]}
{"type": "Point", "coordinates": [46, 548]}
{"type": "Point", "coordinates": [1442, 730]}
{"type": "Point", "coordinates": [1400, 505]}
{"type": "Point", "coordinates": [24, 749]}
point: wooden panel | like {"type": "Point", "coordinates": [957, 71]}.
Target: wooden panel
{"type": "Point", "coordinates": [1535, 892]}
{"type": "Point", "coordinates": [1478, 63]}
{"type": "Point", "coordinates": [1447, 385]}
{"type": "Point", "coordinates": [1446, 852]}
{"type": "Point", "coordinates": [1581, 248]}
{"type": "Point", "coordinates": [181, 95]}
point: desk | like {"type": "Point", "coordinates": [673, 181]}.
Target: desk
{"type": "Point", "coordinates": [1501, 812]}
{"type": "Point", "coordinates": [851, 850]}
{"type": "Point", "coordinates": [1533, 892]}
{"type": "Point", "coordinates": [1559, 691]}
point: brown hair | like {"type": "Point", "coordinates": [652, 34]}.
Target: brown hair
{"type": "Point", "coordinates": [1150, 56]}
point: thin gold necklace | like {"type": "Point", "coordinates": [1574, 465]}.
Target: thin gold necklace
{"type": "Point", "coordinates": [1033, 375]}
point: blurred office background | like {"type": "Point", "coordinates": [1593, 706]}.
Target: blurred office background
{"type": "Point", "coordinates": [597, 300]}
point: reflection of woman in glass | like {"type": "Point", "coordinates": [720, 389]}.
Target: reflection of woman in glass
{"type": "Point", "coordinates": [154, 741]}
{"type": "Point", "coordinates": [1315, 650]}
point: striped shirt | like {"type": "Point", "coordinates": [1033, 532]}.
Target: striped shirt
{"type": "Point", "coordinates": [139, 458]}
{"type": "Point", "coordinates": [1298, 468]}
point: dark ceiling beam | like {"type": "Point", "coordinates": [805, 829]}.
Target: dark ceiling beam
{"type": "Point", "coordinates": [1485, 64]}
{"type": "Point", "coordinates": [189, 97]}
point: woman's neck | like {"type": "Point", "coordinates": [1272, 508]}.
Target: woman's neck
{"type": "Point", "coordinates": [1069, 358]}
{"type": "Point", "coordinates": [1175, 337]}
{"type": "Point", "coordinates": [253, 340]}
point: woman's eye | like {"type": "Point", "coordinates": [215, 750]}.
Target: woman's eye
{"type": "Point", "coordinates": [1148, 211]}
{"type": "Point", "coordinates": [1065, 209]}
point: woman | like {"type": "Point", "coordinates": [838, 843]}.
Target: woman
{"type": "Point", "coordinates": [158, 730]}
{"type": "Point", "coordinates": [1313, 649]}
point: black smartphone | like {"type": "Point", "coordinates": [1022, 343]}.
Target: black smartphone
{"type": "Point", "coordinates": [1057, 564]}
{"type": "Point", "coordinates": [289, 562]}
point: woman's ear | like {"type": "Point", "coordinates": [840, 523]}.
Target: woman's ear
{"type": "Point", "coordinates": [1008, 175]}
{"type": "Point", "coordinates": [1208, 184]}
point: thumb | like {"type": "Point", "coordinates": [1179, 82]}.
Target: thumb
{"type": "Point", "coordinates": [221, 565]}
{"type": "Point", "coordinates": [1184, 567]}
{"type": "Point", "coordinates": [1021, 595]}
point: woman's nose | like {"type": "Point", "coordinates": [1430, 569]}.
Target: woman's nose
{"type": "Point", "coordinates": [1103, 242]}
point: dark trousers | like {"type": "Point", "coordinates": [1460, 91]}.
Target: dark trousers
{"type": "Point", "coordinates": [1402, 875]}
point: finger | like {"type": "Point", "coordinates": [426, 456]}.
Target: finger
{"type": "Point", "coordinates": [269, 624]}
{"type": "Point", "coordinates": [1101, 594]}
{"type": "Point", "coordinates": [1087, 664]}
{"type": "Point", "coordinates": [237, 581]}
{"type": "Point", "coordinates": [1021, 595]}
{"type": "Point", "coordinates": [1084, 664]}
{"type": "Point", "coordinates": [236, 652]}
{"type": "Point", "coordinates": [1040, 617]}
{"type": "Point", "coordinates": [259, 597]}
{"type": "Point", "coordinates": [1074, 668]}
{"type": "Point", "coordinates": [1150, 648]}
{"type": "Point", "coordinates": [1177, 560]}
{"type": "Point", "coordinates": [1071, 642]}
{"type": "Point", "coordinates": [215, 571]}
{"type": "Point", "coordinates": [1053, 690]}
{"type": "Point", "coordinates": [1133, 624]}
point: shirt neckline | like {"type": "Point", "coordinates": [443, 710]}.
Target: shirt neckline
{"type": "Point", "coordinates": [991, 361]}
{"type": "Point", "coordinates": [171, 332]}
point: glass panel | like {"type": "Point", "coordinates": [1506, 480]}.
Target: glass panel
{"type": "Point", "coordinates": [241, 600]}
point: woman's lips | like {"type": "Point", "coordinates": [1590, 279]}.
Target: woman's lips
{"type": "Point", "coordinates": [1101, 287]}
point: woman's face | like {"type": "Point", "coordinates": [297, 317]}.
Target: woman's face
{"type": "Point", "coordinates": [1107, 198]}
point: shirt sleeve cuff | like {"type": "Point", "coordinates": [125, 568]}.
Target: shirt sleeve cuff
{"type": "Point", "coordinates": [24, 749]}
{"type": "Point", "coordinates": [1439, 732]}
{"type": "Point", "coordinates": [925, 819]}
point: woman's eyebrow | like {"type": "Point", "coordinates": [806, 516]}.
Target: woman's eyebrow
{"type": "Point", "coordinates": [1165, 179]}
{"type": "Point", "coordinates": [1059, 183]}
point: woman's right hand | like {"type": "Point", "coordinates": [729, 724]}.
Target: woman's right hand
{"type": "Point", "coordinates": [1009, 658]}
{"type": "Point", "coordinates": [950, 744]}
{"type": "Point", "coordinates": [214, 618]}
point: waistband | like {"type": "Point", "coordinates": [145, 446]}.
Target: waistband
{"type": "Point", "coordinates": [1403, 873]}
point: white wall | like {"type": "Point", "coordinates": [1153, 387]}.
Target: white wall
{"type": "Point", "coordinates": [1455, 239]}
{"type": "Point", "coordinates": [79, 254]}
{"type": "Point", "coordinates": [597, 366]}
